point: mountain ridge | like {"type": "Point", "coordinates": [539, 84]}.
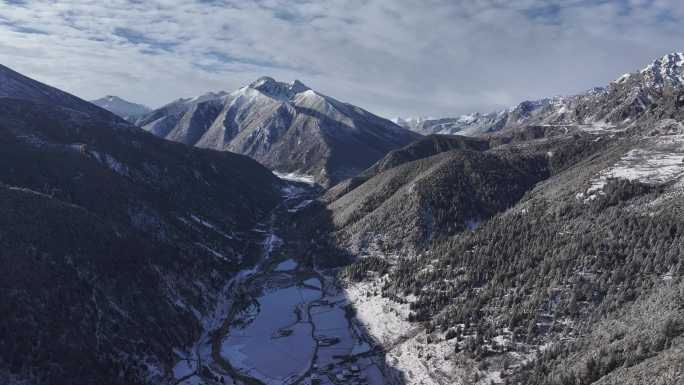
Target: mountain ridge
{"type": "Point", "coordinates": [636, 89]}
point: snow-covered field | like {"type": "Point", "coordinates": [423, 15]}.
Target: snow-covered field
{"type": "Point", "coordinates": [297, 332]}
{"type": "Point", "coordinates": [272, 345]}
{"type": "Point", "coordinates": [648, 166]}
{"type": "Point", "coordinates": [331, 325]}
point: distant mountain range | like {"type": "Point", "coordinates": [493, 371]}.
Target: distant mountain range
{"type": "Point", "coordinates": [623, 99]}
{"type": "Point", "coordinates": [288, 127]}
{"type": "Point", "coordinates": [125, 109]}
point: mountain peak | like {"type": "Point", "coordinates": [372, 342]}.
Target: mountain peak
{"type": "Point", "coordinates": [263, 81]}
{"type": "Point", "coordinates": [298, 86]}
{"type": "Point", "coordinates": [278, 90]}
{"type": "Point", "coordinates": [667, 69]}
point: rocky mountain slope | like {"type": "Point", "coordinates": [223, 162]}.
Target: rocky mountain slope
{"type": "Point", "coordinates": [116, 246]}
{"type": "Point", "coordinates": [123, 108]}
{"type": "Point", "coordinates": [289, 128]}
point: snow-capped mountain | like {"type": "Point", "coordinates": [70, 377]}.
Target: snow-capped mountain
{"type": "Point", "coordinates": [462, 125]}
{"type": "Point", "coordinates": [668, 70]}
{"type": "Point", "coordinates": [287, 126]}
{"type": "Point", "coordinates": [619, 103]}
{"type": "Point", "coordinates": [411, 122]}
{"type": "Point", "coordinates": [184, 120]}
{"type": "Point", "coordinates": [123, 108]}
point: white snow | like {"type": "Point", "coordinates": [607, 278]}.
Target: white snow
{"type": "Point", "coordinates": [111, 163]}
{"type": "Point", "coordinates": [206, 224]}
{"type": "Point", "coordinates": [331, 323]}
{"type": "Point", "coordinates": [646, 166]}
{"type": "Point", "coordinates": [295, 177]}
{"type": "Point", "coordinates": [384, 319]}
{"type": "Point", "coordinates": [271, 242]}
{"type": "Point", "coordinates": [273, 346]}
{"type": "Point", "coordinates": [670, 67]}
{"type": "Point", "coordinates": [300, 206]}
{"type": "Point", "coordinates": [287, 265]}
{"type": "Point", "coordinates": [405, 343]}
{"type": "Point", "coordinates": [600, 127]}
{"type": "Point", "coordinates": [623, 78]}
{"type": "Point", "coordinates": [360, 348]}
{"type": "Point", "coordinates": [292, 191]}
{"type": "Point", "coordinates": [314, 282]}
{"type": "Point", "coordinates": [183, 368]}
{"type": "Point", "coordinates": [212, 251]}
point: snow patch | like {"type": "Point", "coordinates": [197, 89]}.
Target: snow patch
{"type": "Point", "coordinates": [183, 368]}
{"type": "Point", "coordinates": [642, 165]}
{"type": "Point", "coordinates": [313, 282]}
{"type": "Point", "coordinates": [111, 163]}
{"type": "Point", "coordinates": [295, 177]}
{"type": "Point", "coordinates": [301, 205]}
{"type": "Point", "coordinates": [271, 243]}
{"type": "Point", "coordinates": [288, 265]}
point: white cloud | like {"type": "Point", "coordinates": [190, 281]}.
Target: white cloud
{"type": "Point", "coordinates": [394, 57]}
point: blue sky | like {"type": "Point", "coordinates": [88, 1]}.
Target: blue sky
{"type": "Point", "coordinates": [393, 57]}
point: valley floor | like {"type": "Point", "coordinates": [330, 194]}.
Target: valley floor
{"type": "Point", "coordinates": [285, 323]}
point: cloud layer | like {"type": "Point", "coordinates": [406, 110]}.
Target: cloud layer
{"type": "Point", "coordinates": [394, 57]}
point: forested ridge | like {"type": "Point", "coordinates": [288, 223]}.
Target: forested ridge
{"type": "Point", "coordinates": [545, 275]}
